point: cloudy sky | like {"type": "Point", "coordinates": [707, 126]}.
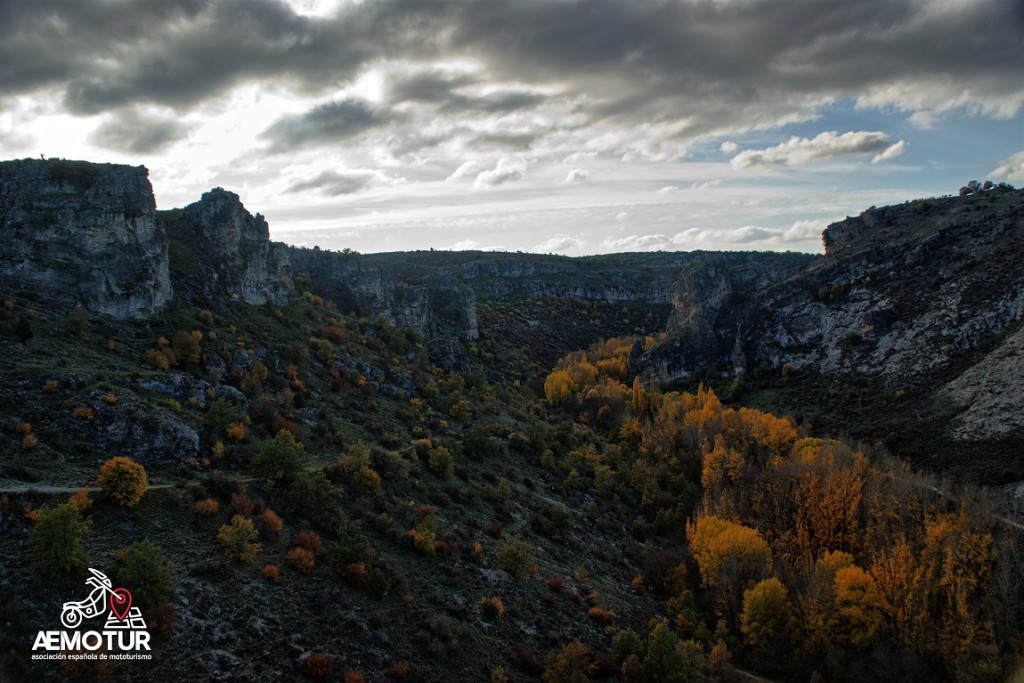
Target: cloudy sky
{"type": "Point", "coordinates": [574, 127]}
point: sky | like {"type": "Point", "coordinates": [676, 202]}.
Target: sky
{"type": "Point", "coordinates": [555, 126]}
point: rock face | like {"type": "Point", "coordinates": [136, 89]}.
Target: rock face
{"type": "Point", "coordinates": [904, 293]}
{"type": "Point", "coordinates": [229, 250]}
{"type": "Point", "coordinates": [73, 232]}
{"type": "Point", "coordinates": [435, 306]}
{"type": "Point", "coordinates": [925, 298]}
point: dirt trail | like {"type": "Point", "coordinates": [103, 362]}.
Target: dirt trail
{"type": "Point", "coordinates": [26, 487]}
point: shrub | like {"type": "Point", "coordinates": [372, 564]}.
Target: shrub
{"type": "Point", "coordinates": [441, 462]}
{"type": "Point", "coordinates": [354, 677]}
{"type": "Point", "coordinates": [123, 480]}
{"type": "Point", "coordinates": [50, 386]}
{"type": "Point", "coordinates": [561, 518]}
{"type": "Point", "coordinates": [186, 347]}
{"type": "Point", "coordinates": [556, 584]}
{"type": "Point", "coordinates": [235, 431]}
{"type": "Point", "coordinates": [600, 614]}
{"type": "Point", "coordinates": [207, 507]}
{"type": "Point", "coordinates": [271, 573]}
{"type": "Point", "coordinates": [515, 555]}
{"type": "Point", "coordinates": [301, 560]}
{"type": "Point", "coordinates": [492, 608]}
{"type": "Point", "coordinates": [23, 329]}
{"type": "Point", "coordinates": [81, 500]}
{"type": "Point", "coordinates": [308, 540]}
{"type": "Point", "coordinates": [242, 504]}
{"type": "Point", "coordinates": [270, 525]}
{"type": "Point", "coordinates": [83, 413]}
{"type": "Point", "coordinates": [356, 471]}
{"type": "Point", "coordinates": [239, 539]}
{"type": "Point", "coordinates": [424, 536]}
{"type": "Point", "coordinates": [55, 542]}
{"type": "Point", "coordinates": [398, 670]}
{"type": "Point", "coordinates": [146, 573]}
{"type": "Point", "coordinates": [318, 665]}
{"type": "Point", "coordinates": [29, 441]}
{"type": "Point", "coordinates": [355, 574]}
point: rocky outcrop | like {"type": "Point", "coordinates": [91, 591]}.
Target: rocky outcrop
{"type": "Point", "coordinates": [223, 249]}
{"type": "Point", "coordinates": [904, 293]}
{"type": "Point", "coordinates": [988, 394]}
{"type": "Point", "coordinates": [435, 306]}
{"type": "Point", "coordinates": [73, 232]}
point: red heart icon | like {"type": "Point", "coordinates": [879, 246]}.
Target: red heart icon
{"type": "Point", "coordinates": [120, 602]}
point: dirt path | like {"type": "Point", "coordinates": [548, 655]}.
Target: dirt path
{"type": "Point", "coordinates": [26, 487]}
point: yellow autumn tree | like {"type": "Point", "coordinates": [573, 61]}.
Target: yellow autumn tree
{"type": "Point", "coordinates": [860, 606]}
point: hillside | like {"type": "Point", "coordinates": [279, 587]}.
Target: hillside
{"type": "Point", "coordinates": [440, 466]}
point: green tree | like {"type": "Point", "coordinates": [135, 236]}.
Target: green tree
{"type": "Point", "coordinates": [280, 462]}
{"type": "Point", "coordinates": [667, 660]}
{"type": "Point", "coordinates": [768, 621]}
{"type": "Point", "coordinates": [55, 542]}
{"type": "Point", "coordinates": [441, 462]}
{"type": "Point", "coordinates": [571, 664]}
{"type": "Point", "coordinates": [147, 574]}
{"type": "Point", "coordinates": [514, 555]}
{"type": "Point", "coordinates": [239, 539]}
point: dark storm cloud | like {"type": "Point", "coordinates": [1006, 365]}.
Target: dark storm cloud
{"type": "Point", "coordinates": [432, 86]}
{"type": "Point", "coordinates": [509, 140]}
{"type": "Point", "coordinates": [712, 65]}
{"type": "Point", "coordinates": [441, 88]}
{"type": "Point", "coordinates": [333, 183]}
{"type": "Point", "coordinates": [325, 123]}
{"type": "Point", "coordinates": [176, 53]}
{"type": "Point", "coordinates": [130, 132]}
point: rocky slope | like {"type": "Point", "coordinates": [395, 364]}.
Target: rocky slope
{"type": "Point", "coordinates": [922, 299]}
{"type": "Point", "coordinates": [79, 233]}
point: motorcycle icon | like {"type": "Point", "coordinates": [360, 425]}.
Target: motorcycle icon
{"type": "Point", "coordinates": [73, 612]}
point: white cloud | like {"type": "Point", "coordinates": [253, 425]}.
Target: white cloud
{"type": "Point", "coordinates": [923, 120]}
{"type": "Point", "coordinates": [466, 245]}
{"type": "Point", "coordinates": [637, 243]}
{"type": "Point", "coordinates": [470, 168]}
{"type": "Point", "coordinates": [621, 216]}
{"type": "Point", "coordinates": [507, 170]}
{"type": "Point", "coordinates": [796, 150]}
{"type": "Point", "coordinates": [668, 189]}
{"type": "Point", "coordinates": [891, 152]}
{"type": "Point", "coordinates": [697, 185]}
{"type": "Point", "coordinates": [558, 244]}
{"type": "Point", "coordinates": [1012, 167]}
{"type": "Point", "coordinates": [803, 230]}
{"type": "Point", "coordinates": [576, 175]}
{"type": "Point", "coordinates": [729, 147]}
{"type": "Point", "coordinates": [751, 233]}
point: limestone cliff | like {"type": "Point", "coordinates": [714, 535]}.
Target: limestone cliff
{"type": "Point", "coordinates": [219, 248]}
{"type": "Point", "coordinates": [73, 232]}
{"type": "Point", "coordinates": [434, 306]}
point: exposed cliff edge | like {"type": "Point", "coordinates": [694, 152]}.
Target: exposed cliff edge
{"type": "Point", "coordinates": [219, 248]}
{"type": "Point", "coordinates": [74, 232]}
{"type": "Point", "coordinates": [434, 306]}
